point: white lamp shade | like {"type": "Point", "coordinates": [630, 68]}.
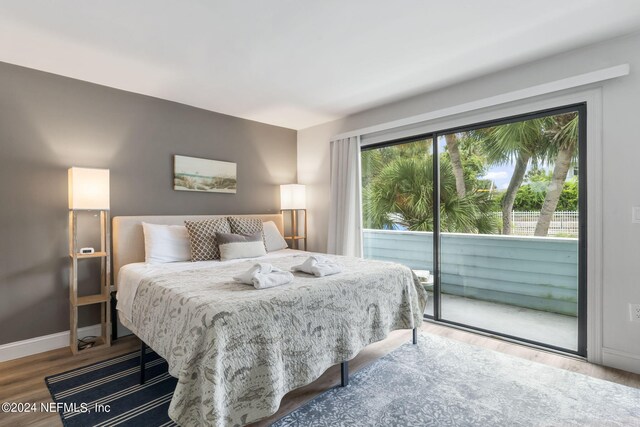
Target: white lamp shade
{"type": "Point", "coordinates": [293, 196]}
{"type": "Point", "coordinates": [88, 189]}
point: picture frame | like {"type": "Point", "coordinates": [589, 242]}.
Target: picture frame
{"type": "Point", "coordinates": [204, 175]}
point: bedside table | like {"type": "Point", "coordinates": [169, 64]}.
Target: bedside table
{"type": "Point", "coordinates": [103, 298]}
{"type": "Point", "coordinates": [89, 192]}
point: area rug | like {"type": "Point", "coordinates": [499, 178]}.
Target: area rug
{"type": "Point", "coordinates": [441, 382]}
{"type": "Point", "coordinates": [109, 393]}
{"type": "Point", "coordinates": [438, 382]}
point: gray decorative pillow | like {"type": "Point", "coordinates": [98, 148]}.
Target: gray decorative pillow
{"type": "Point", "coordinates": [202, 237]}
{"type": "Point", "coordinates": [246, 226]}
{"type": "Point", "coordinates": [234, 246]}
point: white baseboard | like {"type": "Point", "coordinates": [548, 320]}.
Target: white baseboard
{"type": "Point", "coordinates": [621, 360]}
{"type": "Point", "coordinates": [15, 350]}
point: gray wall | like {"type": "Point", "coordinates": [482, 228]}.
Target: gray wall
{"type": "Point", "coordinates": [49, 123]}
{"type": "Point", "coordinates": [621, 266]}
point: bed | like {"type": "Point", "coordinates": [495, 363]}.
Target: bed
{"type": "Point", "coordinates": [236, 350]}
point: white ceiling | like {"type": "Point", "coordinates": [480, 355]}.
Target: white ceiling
{"type": "Point", "coordinates": [296, 63]}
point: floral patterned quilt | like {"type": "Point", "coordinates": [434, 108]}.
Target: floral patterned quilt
{"type": "Point", "coordinates": [236, 350]}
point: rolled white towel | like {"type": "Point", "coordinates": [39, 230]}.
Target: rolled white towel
{"type": "Point", "coordinates": [319, 266]}
{"type": "Point", "coordinates": [264, 275]}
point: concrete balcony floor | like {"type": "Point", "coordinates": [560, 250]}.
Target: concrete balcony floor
{"type": "Point", "coordinates": [540, 326]}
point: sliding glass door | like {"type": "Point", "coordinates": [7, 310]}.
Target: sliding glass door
{"type": "Point", "coordinates": [397, 204]}
{"type": "Point", "coordinates": [505, 201]}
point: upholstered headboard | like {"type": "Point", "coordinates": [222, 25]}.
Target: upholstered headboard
{"type": "Point", "coordinates": [128, 238]}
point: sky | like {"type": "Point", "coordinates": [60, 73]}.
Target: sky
{"type": "Point", "coordinates": [204, 167]}
{"type": "Point", "coordinates": [500, 175]}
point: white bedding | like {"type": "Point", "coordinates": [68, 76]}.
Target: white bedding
{"type": "Point", "coordinates": [131, 275]}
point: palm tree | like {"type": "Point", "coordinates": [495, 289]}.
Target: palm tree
{"type": "Point", "coordinates": [456, 162]}
{"type": "Point", "coordinates": [564, 144]}
{"type": "Point", "coordinates": [515, 143]}
{"type": "Point", "coordinates": [402, 193]}
{"type": "Point", "coordinates": [373, 160]}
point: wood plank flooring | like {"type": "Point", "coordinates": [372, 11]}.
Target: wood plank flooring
{"type": "Point", "coordinates": [22, 380]}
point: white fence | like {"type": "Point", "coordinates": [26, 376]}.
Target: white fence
{"type": "Point", "coordinates": [563, 224]}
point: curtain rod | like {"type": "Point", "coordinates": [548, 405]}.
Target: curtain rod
{"type": "Point", "coordinates": [516, 95]}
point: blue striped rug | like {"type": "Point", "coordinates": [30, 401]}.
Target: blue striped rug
{"type": "Point", "coordinates": [85, 394]}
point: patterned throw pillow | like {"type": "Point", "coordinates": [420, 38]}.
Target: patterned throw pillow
{"type": "Point", "coordinates": [202, 237]}
{"type": "Point", "coordinates": [246, 226]}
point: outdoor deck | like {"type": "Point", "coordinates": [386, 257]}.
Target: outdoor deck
{"type": "Point", "coordinates": [551, 328]}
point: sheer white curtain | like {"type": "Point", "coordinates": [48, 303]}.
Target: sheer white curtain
{"type": "Point", "coordinates": [345, 215]}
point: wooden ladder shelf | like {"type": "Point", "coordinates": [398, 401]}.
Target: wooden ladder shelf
{"type": "Point", "coordinates": [103, 297]}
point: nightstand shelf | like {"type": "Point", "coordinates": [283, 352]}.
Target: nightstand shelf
{"type": "Point", "coordinates": [295, 239]}
{"type": "Point", "coordinates": [97, 344]}
{"type": "Point", "coordinates": [93, 255]}
{"type": "Point", "coordinates": [91, 299]}
{"type": "Point", "coordinates": [102, 298]}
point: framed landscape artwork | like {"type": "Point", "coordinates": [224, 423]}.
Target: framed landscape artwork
{"type": "Point", "coordinates": [211, 176]}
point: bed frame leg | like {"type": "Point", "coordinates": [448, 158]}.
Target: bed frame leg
{"type": "Point", "coordinates": [143, 350]}
{"type": "Point", "coordinates": [344, 374]}
{"type": "Point", "coordinates": [415, 336]}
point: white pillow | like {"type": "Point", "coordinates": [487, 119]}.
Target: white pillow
{"type": "Point", "coordinates": [166, 243]}
{"type": "Point", "coordinates": [272, 237]}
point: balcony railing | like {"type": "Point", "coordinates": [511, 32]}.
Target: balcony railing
{"type": "Point", "coordinates": [562, 224]}
{"type": "Point", "coordinates": [539, 273]}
